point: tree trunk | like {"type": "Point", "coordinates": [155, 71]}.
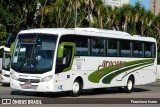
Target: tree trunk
{"type": "Point", "coordinates": [101, 23]}
{"type": "Point", "coordinates": [125, 25]}
{"type": "Point", "coordinates": [142, 28]}
{"type": "Point", "coordinates": [42, 16]}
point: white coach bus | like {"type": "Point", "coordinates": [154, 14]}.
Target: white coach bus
{"type": "Point", "coordinates": [6, 57]}
{"type": "Point", "coordinates": [54, 60]}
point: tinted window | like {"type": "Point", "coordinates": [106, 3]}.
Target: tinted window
{"type": "Point", "coordinates": [148, 50]}
{"type": "Point", "coordinates": [82, 46]}
{"type": "Point", "coordinates": [33, 53]}
{"type": "Point", "coordinates": [112, 47]}
{"type": "Point", "coordinates": [68, 38]}
{"type": "Point", "coordinates": [137, 49]}
{"type": "Point", "coordinates": [125, 47]}
{"type": "Point", "coordinates": [97, 47]}
{"type": "Point", "coordinates": [11, 38]}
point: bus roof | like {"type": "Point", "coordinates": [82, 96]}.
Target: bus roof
{"type": "Point", "coordinates": [57, 31]}
{"type": "Point", "coordinates": [90, 32]}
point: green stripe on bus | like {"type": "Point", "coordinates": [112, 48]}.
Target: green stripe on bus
{"type": "Point", "coordinates": [137, 70]}
{"type": "Point", "coordinates": [109, 78]}
{"type": "Point", "coordinates": [98, 74]}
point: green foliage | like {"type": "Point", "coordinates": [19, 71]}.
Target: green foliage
{"type": "Point", "coordinates": [17, 14]}
{"type": "Point", "coordinates": [2, 37]}
{"type": "Point", "coordinates": [2, 34]}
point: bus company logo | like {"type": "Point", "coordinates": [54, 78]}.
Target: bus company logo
{"type": "Point", "coordinates": [21, 101]}
{"type": "Point", "coordinates": [116, 64]}
{"type": "Point", "coordinates": [6, 101]}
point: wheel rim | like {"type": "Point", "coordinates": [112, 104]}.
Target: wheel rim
{"type": "Point", "coordinates": [130, 84]}
{"type": "Point", "coordinates": [76, 87]}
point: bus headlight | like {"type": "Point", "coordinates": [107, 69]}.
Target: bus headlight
{"type": "Point", "coordinates": [48, 78]}
{"type": "Point", "coordinates": [13, 77]}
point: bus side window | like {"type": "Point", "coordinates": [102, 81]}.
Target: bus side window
{"type": "Point", "coordinates": [67, 55]}
{"type": "Point", "coordinates": [112, 48]}
{"type": "Point", "coordinates": [97, 47]}
{"type": "Point", "coordinates": [125, 48]}
{"type": "Point", "coordinates": [148, 50]}
{"type": "Point", "coordinates": [82, 46]}
{"type": "Point", "coordinates": [137, 49]}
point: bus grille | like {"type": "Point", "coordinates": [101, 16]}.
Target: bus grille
{"type": "Point", "coordinates": [29, 80]}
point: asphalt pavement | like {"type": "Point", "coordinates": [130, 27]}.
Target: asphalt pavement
{"type": "Point", "coordinates": [110, 96]}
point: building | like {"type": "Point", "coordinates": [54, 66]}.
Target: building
{"type": "Point", "coordinates": [116, 3]}
{"type": "Point", "coordinates": [155, 6]}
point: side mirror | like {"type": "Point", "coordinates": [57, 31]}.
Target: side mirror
{"type": "Point", "coordinates": [60, 50]}
{"type": "Point", "coordinates": [11, 48]}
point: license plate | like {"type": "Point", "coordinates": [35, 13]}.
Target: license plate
{"type": "Point", "coordinates": [28, 84]}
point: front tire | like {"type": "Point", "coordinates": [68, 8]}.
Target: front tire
{"type": "Point", "coordinates": [130, 84]}
{"type": "Point", "coordinates": [76, 88]}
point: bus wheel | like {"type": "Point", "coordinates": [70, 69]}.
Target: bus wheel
{"type": "Point", "coordinates": [129, 87]}
{"type": "Point", "coordinates": [76, 88]}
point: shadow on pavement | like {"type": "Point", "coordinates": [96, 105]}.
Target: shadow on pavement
{"type": "Point", "coordinates": [66, 94]}
{"type": "Point", "coordinates": [40, 94]}
{"type": "Point", "coordinates": [140, 90]}
{"type": "Point", "coordinates": [5, 84]}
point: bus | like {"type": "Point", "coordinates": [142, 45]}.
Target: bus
{"type": "Point", "coordinates": [5, 77]}
{"type": "Point", "coordinates": [57, 60]}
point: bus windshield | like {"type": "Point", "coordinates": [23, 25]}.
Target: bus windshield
{"type": "Point", "coordinates": [6, 61]}
{"type": "Point", "coordinates": [33, 53]}
{"type": "Point", "coordinates": [11, 38]}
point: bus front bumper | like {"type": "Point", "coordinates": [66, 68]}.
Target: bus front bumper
{"type": "Point", "coordinates": [5, 77]}
{"type": "Point", "coordinates": [34, 87]}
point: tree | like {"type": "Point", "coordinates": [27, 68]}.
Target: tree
{"type": "Point", "coordinates": [17, 13]}
{"type": "Point", "coordinates": [2, 34]}
{"type": "Point", "coordinates": [110, 17]}
{"type": "Point", "coordinates": [99, 13]}
{"type": "Point", "coordinates": [127, 14]}
{"type": "Point", "coordinates": [137, 14]}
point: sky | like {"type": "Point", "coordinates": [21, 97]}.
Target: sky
{"type": "Point", "coordinates": [145, 3]}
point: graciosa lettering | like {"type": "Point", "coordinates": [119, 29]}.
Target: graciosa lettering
{"type": "Point", "coordinates": [117, 64]}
